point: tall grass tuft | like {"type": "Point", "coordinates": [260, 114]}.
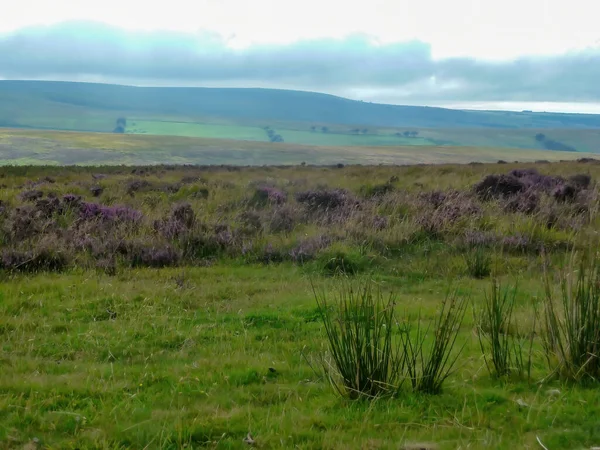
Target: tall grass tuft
{"type": "Point", "coordinates": [428, 366]}
{"type": "Point", "coordinates": [571, 335]}
{"type": "Point", "coordinates": [366, 361]}
{"type": "Point", "coordinates": [479, 263]}
{"type": "Point", "coordinates": [502, 345]}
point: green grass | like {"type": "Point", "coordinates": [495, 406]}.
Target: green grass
{"type": "Point", "coordinates": [25, 147]}
{"type": "Point", "coordinates": [191, 367]}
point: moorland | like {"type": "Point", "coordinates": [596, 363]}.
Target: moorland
{"type": "Point", "coordinates": [198, 306]}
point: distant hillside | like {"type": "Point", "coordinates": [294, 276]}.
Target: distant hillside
{"type": "Point", "coordinates": [90, 107]}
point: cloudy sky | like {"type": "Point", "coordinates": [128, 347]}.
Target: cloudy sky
{"type": "Point", "coordinates": [514, 54]}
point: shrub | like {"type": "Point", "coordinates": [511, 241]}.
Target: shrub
{"type": "Point", "coordinates": [283, 219]}
{"type": "Point", "coordinates": [268, 195]}
{"type": "Point", "coordinates": [323, 199]}
{"type": "Point", "coordinates": [43, 258]}
{"type": "Point", "coordinates": [582, 180]}
{"type": "Point", "coordinates": [571, 334]}
{"type": "Point", "coordinates": [151, 256]}
{"type": "Point", "coordinates": [31, 196]}
{"type": "Point", "coordinates": [307, 249]}
{"type": "Point", "coordinates": [501, 343]}
{"type": "Point", "coordinates": [498, 186]}
{"type": "Point", "coordinates": [365, 362]}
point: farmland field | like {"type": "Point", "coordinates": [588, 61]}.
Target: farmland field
{"type": "Point", "coordinates": [302, 118]}
{"type": "Point", "coordinates": [173, 307]}
{"type": "Point", "coordinates": [24, 147]}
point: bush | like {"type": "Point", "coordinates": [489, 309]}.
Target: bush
{"type": "Point", "coordinates": [571, 334]}
{"type": "Point", "coordinates": [37, 260]}
{"type": "Point", "coordinates": [365, 361]}
{"type": "Point", "coordinates": [323, 199]}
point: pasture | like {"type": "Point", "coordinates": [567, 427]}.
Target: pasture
{"type": "Point", "coordinates": [173, 307]}
{"type": "Point", "coordinates": [44, 147]}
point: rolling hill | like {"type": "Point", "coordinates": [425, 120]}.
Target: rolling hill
{"type": "Point", "coordinates": [303, 118]}
{"type": "Point", "coordinates": [20, 99]}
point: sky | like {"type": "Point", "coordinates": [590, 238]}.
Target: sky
{"type": "Point", "coordinates": [514, 54]}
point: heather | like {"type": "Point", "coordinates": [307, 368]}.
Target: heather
{"type": "Point", "coordinates": [312, 307]}
{"type": "Point", "coordinates": [288, 214]}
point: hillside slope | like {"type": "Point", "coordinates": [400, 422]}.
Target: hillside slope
{"type": "Point", "coordinates": [88, 107]}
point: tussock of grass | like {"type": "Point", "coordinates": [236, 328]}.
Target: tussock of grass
{"type": "Point", "coordinates": [572, 322]}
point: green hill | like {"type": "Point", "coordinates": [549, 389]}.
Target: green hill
{"type": "Point", "coordinates": [305, 118]}
{"type": "Point", "coordinates": [20, 98]}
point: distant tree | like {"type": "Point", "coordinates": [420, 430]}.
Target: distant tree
{"type": "Point", "coordinates": [122, 121]}
{"type": "Point", "coordinates": [414, 134]}
{"type": "Point", "coordinates": [540, 137]}
{"type": "Point", "coordinates": [313, 128]}
{"type": "Point", "coordinates": [119, 129]}
{"type": "Point", "coordinates": [365, 130]}
{"type": "Point", "coordinates": [276, 138]}
{"type": "Point", "coordinates": [406, 133]}
{"type": "Point", "coordinates": [325, 129]}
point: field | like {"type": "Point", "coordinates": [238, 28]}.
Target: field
{"type": "Point", "coordinates": [302, 118]}
{"type": "Point", "coordinates": [34, 147]}
{"type": "Point", "coordinates": [173, 307]}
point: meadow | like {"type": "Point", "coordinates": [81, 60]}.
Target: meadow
{"type": "Point", "coordinates": [186, 307]}
{"type": "Point", "coordinates": [47, 147]}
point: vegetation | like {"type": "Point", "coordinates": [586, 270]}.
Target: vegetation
{"type": "Point", "coordinates": [303, 118]}
{"type": "Point", "coordinates": [26, 147]}
{"type": "Point", "coordinates": [173, 306]}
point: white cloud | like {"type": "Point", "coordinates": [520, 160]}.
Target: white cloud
{"type": "Point", "coordinates": [475, 28]}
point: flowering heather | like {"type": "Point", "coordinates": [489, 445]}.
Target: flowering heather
{"type": "Point", "coordinates": [71, 200]}
{"type": "Point", "coordinates": [31, 196]}
{"type": "Point", "coordinates": [47, 207]}
{"type": "Point", "coordinates": [498, 186]}
{"type": "Point", "coordinates": [283, 219]}
{"type": "Point", "coordinates": [164, 256]}
{"type": "Point", "coordinates": [565, 192]}
{"type": "Point", "coordinates": [526, 202]}
{"type": "Point", "coordinates": [307, 249]}
{"type": "Point", "coordinates": [581, 179]}
{"type": "Point", "coordinates": [96, 191]}
{"type": "Point", "coordinates": [518, 243]}
{"type": "Point", "coordinates": [95, 211]}
{"type": "Point", "coordinates": [323, 199]}
{"type": "Point", "coordinates": [267, 194]}
{"type": "Point", "coordinates": [184, 214]}
{"type": "Point", "coordinates": [380, 223]}
{"type": "Point", "coordinates": [134, 186]}
{"type": "Point", "coordinates": [251, 221]}
{"type": "Point", "coordinates": [433, 198]}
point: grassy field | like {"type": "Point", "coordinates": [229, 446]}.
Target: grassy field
{"type": "Point", "coordinates": [172, 307]}
{"type": "Point", "coordinates": [24, 147]}
{"type": "Point", "coordinates": [243, 114]}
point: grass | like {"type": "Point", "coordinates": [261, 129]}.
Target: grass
{"type": "Point", "coordinates": [28, 147]}
{"type": "Point", "coordinates": [217, 344]}
{"type": "Point", "coordinates": [572, 325]}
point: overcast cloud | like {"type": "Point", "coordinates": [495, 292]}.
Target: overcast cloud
{"type": "Point", "coordinates": [402, 72]}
